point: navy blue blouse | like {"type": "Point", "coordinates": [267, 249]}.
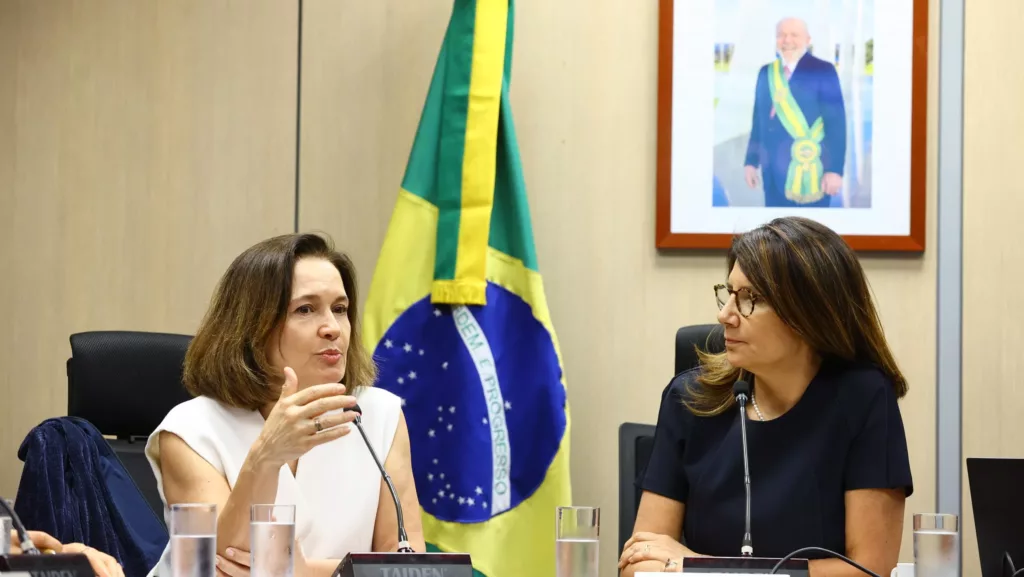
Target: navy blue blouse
{"type": "Point", "coordinates": [844, 433]}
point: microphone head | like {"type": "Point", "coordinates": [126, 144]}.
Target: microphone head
{"type": "Point", "coordinates": [741, 387]}
{"type": "Point", "coordinates": [355, 408]}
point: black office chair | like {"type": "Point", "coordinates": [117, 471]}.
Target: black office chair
{"type": "Point", "coordinates": [707, 337]}
{"type": "Point", "coordinates": [125, 383]}
{"type": "Point", "coordinates": [636, 440]}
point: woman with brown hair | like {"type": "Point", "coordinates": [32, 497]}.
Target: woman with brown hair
{"type": "Point", "coordinates": [274, 363]}
{"type": "Point", "coordinates": [828, 452]}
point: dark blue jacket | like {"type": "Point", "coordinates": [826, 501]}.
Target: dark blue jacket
{"type": "Point", "coordinates": [75, 488]}
{"type": "Point", "coordinates": [816, 89]}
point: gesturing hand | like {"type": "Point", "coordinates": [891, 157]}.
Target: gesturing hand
{"type": "Point", "coordinates": [299, 421]}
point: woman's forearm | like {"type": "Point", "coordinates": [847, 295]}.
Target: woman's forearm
{"type": "Point", "coordinates": [256, 483]}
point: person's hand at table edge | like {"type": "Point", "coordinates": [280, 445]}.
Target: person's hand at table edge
{"type": "Point", "coordinates": [102, 564]}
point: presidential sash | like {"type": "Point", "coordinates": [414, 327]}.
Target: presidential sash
{"type": "Point", "coordinates": [803, 180]}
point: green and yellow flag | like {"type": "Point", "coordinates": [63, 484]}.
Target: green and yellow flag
{"type": "Point", "coordinates": [458, 320]}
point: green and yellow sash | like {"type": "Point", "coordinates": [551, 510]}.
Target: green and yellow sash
{"type": "Point", "coordinates": [803, 180]}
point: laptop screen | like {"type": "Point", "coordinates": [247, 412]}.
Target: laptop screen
{"type": "Point", "coordinates": [995, 486]}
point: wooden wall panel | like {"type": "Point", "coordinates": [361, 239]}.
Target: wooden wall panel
{"type": "Point", "coordinates": [365, 71]}
{"type": "Point", "coordinates": [8, 66]}
{"type": "Point", "coordinates": [993, 335]}
{"type": "Point", "coordinates": [149, 143]}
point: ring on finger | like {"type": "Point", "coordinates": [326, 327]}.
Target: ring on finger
{"type": "Point", "coordinates": [647, 548]}
{"type": "Point", "coordinates": [316, 423]}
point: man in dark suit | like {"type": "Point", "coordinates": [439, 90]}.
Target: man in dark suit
{"type": "Point", "coordinates": [798, 136]}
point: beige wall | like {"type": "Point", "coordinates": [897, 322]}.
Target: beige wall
{"type": "Point", "coordinates": [179, 138]}
{"type": "Point", "coordinates": [365, 69]}
{"type": "Point", "coordinates": [142, 146]}
{"type": "Point", "coordinates": [993, 367]}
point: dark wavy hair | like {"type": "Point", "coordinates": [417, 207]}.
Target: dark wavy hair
{"type": "Point", "coordinates": [813, 280]}
{"type": "Point", "coordinates": [227, 359]}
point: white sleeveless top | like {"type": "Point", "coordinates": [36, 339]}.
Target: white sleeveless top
{"type": "Point", "coordinates": [329, 521]}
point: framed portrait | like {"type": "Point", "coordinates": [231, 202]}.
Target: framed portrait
{"type": "Point", "coordinates": [770, 108]}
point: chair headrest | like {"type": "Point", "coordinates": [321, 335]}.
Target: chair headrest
{"type": "Point", "coordinates": [126, 382]}
{"type": "Point", "coordinates": [709, 338]}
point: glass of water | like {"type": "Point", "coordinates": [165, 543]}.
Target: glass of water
{"type": "Point", "coordinates": [271, 539]}
{"type": "Point", "coordinates": [193, 540]}
{"type": "Point", "coordinates": [6, 526]}
{"type": "Point", "coordinates": [936, 545]}
{"type": "Point", "coordinates": [577, 530]}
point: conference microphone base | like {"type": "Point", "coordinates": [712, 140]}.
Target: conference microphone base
{"type": "Point", "coordinates": [405, 565]}
{"type": "Point", "coordinates": [60, 565]}
{"type": "Point", "coordinates": [792, 567]}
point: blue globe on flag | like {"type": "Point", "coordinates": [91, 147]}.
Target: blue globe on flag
{"type": "Point", "coordinates": [482, 395]}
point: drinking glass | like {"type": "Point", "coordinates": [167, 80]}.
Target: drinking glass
{"type": "Point", "coordinates": [271, 539]}
{"type": "Point", "coordinates": [193, 540]}
{"type": "Point", "coordinates": [936, 545]}
{"type": "Point", "coordinates": [6, 526]}
{"type": "Point", "coordinates": [577, 530]}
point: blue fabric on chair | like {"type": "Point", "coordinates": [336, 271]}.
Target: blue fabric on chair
{"type": "Point", "coordinates": [74, 487]}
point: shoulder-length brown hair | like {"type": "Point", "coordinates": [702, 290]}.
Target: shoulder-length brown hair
{"type": "Point", "coordinates": [227, 359]}
{"type": "Point", "coordinates": [814, 282]}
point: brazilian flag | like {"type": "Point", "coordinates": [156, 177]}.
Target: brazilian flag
{"type": "Point", "coordinates": [458, 320]}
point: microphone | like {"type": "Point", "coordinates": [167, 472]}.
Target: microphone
{"type": "Point", "coordinates": [746, 562]}
{"type": "Point", "coordinates": [27, 546]}
{"type": "Point", "coordinates": [403, 536]}
{"type": "Point", "coordinates": [741, 390]}
{"type": "Point", "coordinates": [405, 561]}
{"type": "Point", "coordinates": [32, 561]}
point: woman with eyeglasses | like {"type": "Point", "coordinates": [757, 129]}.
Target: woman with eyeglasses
{"type": "Point", "coordinates": [828, 454]}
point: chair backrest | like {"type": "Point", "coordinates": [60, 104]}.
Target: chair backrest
{"type": "Point", "coordinates": [125, 383]}
{"type": "Point", "coordinates": [708, 338]}
{"type": "Point", "coordinates": [636, 440]}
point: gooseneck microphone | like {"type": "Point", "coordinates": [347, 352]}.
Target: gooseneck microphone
{"type": "Point", "coordinates": [32, 561]}
{"type": "Point", "coordinates": [27, 546]}
{"type": "Point", "coordinates": [747, 563]}
{"type": "Point", "coordinates": [403, 536]}
{"type": "Point", "coordinates": [741, 390]}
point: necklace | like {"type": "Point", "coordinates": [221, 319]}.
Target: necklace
{"type": "Point", "coordinates": [757, 409]}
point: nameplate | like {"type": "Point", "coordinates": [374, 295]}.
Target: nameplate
{"type": "Point", "coordinates": [61, 565]}
{"type": "Point", "coordinates": [405, 565]}
{"type": "Point", "coordinates": [734, 566]}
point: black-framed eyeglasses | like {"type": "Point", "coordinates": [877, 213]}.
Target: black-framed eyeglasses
{"type": "Point", "coordinates": [745, 298]}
